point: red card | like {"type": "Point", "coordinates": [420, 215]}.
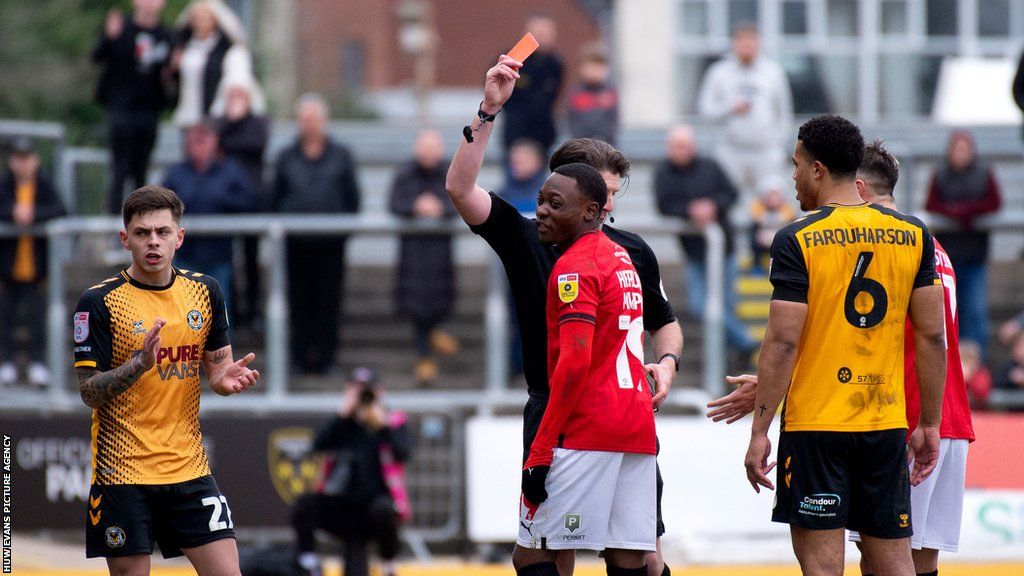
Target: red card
{"type": "Point", "coordinates": [522, 50]}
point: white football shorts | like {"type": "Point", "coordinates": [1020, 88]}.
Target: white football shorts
{"type": "Point", "coordinates": [596, 500]}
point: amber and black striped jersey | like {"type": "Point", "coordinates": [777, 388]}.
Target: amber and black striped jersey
{"type": "Point", "coordinates": [854, 267]}
{"type": "Point", "coordinates": [149, 434]}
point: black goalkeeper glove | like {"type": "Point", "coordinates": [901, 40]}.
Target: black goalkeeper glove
{"type": "Point", "coordinates": [533, 484]}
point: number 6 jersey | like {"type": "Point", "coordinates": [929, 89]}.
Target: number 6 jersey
{"type": "Point", "coordinates": [854, 267]}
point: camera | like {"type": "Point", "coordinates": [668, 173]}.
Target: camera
{"type": "Point", "coordinates": [368, 395]}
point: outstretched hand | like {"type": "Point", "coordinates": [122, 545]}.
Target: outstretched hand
{"type": "Point", "coordinates": [113, 24]}
{"type": "Point", "coordinates": [737, 403]}
{"type": "Point", "coordinates": [500, 81]}
{"type": "Point", "coordinates": [237, 377]}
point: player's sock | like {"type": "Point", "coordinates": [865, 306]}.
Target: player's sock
{"type": "Point", "coordinates": [665, 571]}
{"type": "Point", "coordinates": [539, 569]}
{"type": "Point", "coordinates": [616, 571]}
{"type": "Point", "coordinates": [932, 573]}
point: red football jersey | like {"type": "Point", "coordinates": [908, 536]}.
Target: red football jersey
{"type": "Point", "coordinates": [595, 282]}
{"type": "Point", "coordinates": [956, 410]}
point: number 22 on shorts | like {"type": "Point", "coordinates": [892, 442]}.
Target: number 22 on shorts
{"type": "Point", "coordinates": [215, 522]}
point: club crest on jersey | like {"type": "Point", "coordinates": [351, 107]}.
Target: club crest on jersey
{"type": "Point", "coordinates": [81, 327]}
{"type": "Point", "coordinates": [568, 287]}
{"type": "Point", "coordinates": [138, 328]}
{"type": "Point", "coordinates": [194, 319]}
{"type": "Point", "coordinates": [114, 536]}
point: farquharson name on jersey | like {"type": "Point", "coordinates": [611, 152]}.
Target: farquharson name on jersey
{"type": "Point", "coordinates": [860, 235]}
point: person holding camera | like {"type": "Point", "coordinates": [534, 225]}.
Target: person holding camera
{"type": "Point", "coordinates": [362, 495]}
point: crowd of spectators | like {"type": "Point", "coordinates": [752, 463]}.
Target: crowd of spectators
{"type": "Point", "coordinates": [200, 72]}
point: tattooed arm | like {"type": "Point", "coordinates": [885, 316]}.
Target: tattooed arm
{"type": "Point", "coordinates": [227, 376]}
{"type": "Point", "coordinates": [97, 388]}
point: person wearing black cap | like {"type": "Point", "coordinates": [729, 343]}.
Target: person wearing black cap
{"type": "Point", "coordinates": [26, 198]}
{"type": "Point", "coordinates": [361, 496]}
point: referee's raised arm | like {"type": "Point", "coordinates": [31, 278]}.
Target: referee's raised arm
{"type": "Point", "coordinates": [471, 201]}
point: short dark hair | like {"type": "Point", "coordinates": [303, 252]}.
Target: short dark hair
{"type": "Point", "coordinates": [835, 142]}
{"type": "Point", "coordinates": [745, 27]}
{"type": "Point", "coordinates": [588, 180]}
{"type": "Point", "coordinates": [880, 167]}
{"type": "Point", "coordinates": [595, 153]}
{"type": "Point", "coordinates": [151, 198]}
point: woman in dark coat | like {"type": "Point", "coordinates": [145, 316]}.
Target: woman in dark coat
{"type": "Point", "coordinates": [425, 283]}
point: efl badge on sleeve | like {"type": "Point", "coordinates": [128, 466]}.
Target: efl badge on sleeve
{"type": "Point", "coordinates": [81, 327]}
{"type": "Point", "coordinates": [568, 287]}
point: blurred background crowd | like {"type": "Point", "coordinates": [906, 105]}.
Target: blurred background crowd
{"type": "Point", "coordinates": [317, 108]}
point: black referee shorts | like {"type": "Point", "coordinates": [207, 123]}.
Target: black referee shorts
{"type": "Point", "coordinates": [854, 480]}
{"type": "Point", "coordinates": [127, 519]}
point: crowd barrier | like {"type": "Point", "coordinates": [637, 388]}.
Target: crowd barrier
{"type": "Point", "coordinates": [273, 230]}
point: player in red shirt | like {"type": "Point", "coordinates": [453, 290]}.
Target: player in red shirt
{"type": "Point", "coordinates": [937, 503]}
{"type": "Point", "coordinates": [594, 451]}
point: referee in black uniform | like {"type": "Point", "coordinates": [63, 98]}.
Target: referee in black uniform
{"type": "Point", "coordinates": [528, 263]}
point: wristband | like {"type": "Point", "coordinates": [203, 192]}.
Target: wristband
{"type": "Point", "coordinates": [672, 356]}
{"type": "Point", "coordinates": [467, 131]}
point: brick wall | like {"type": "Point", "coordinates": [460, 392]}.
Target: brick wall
{"type": "Point", "coordinates": [472, 34]}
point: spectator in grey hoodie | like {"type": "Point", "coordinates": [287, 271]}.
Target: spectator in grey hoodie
{"type": "Point", "coordinates": [750, 95]}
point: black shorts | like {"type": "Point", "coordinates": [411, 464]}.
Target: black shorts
{"type": "Point", "coordinates": [126, 519]}
{"type": "Point", "coordinates": [854, 480]}
{"type": "Point", "coordinates": [533, 412]}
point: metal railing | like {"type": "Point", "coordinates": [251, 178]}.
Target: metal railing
{"type": "Point", "coordinates": [273, 231]}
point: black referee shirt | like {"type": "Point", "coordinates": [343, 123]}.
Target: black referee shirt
{"type": "Point", "coordinates": [528, 263]}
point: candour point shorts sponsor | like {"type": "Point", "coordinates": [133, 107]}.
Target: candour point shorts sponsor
{"type": "Point", "coordinates": [596, 500]}
{"type": "Point", "coordinates": [126, 519]}
{"type": "Point", "coordinates": [937, 504]}
{"type": "Point", "coordinates": [854, 480]}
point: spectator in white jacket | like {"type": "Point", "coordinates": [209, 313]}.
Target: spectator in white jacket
{"type": "Point", "coordinates": [749, 94]}
{"type": "Point", "coordinates": [211, 56]}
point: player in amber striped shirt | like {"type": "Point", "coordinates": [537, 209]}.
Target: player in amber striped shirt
{"type": "Point", "coordinates": [845, 278]}
{"type": "Point", "coordinates": [140, 340]}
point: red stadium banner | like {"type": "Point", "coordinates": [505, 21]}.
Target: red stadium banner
{"type": "Point", "coordinates": [994, 461]}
